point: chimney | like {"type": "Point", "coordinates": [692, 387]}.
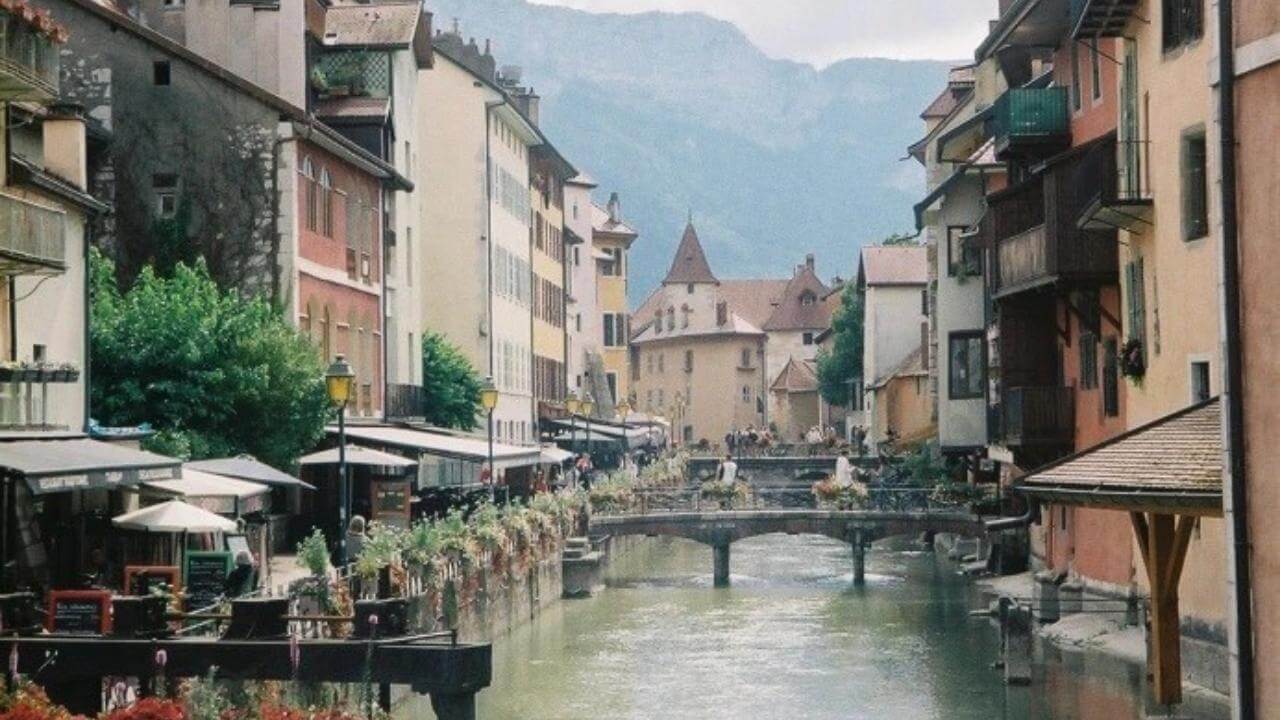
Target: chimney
{"type": "Point", "coordinates": [65, 148]}
{"type": "Point", "coordinates": [808, 261]}
{"type": "Point", "coordinates": [615, 208]}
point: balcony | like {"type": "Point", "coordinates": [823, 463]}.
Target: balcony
{"type": "Point", "coordinates": [1121, 198]}
{"type": "Point", "coordinates": [406, 402]}
{"type": "Point", "coordinates": [1031, 123]}
{"type": "Point", "coordinates": [28, 61]}
{"type": "Point", "coordinates": [1101, 18]}
{"type": "Point", "coordinates": [1038, 416]}
{"type": "Point", "coordinates": [32, 238]}
{"type": "Point", "coordinates": [1036, 240]}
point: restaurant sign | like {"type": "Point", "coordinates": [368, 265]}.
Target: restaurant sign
{"type": "Point", "coordinates": [101, 479]}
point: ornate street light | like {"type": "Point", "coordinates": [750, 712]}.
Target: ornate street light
{"type": "Point", "coordinates": [489, 401]}
{"type": "Point", "coordinates": [339, 380]}
{"type": "Point", "coordinates": [588, 406]}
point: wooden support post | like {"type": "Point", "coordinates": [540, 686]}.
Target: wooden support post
{"type": "Point", "coordinates": [1163, 540]}
{"type": "Point", "coordinates": [859, 559]}
{"type": "Point", "coordinates": [721, 553]}
{"type": "Point", "coordinates": [454, 707]}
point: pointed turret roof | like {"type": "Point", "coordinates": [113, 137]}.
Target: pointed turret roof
{"type": "Point", "coordinates": [690, 263]}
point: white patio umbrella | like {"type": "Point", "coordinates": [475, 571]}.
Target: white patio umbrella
{"type": "Point", "coordinates": [174, 516]}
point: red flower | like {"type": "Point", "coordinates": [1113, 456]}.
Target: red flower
{"type": "Point", "coordinates": [150, 709]}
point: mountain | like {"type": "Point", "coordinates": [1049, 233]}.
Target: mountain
{"type": "Point", "coordinates": [681, 113]}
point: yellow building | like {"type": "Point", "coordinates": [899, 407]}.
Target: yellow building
{"type": "Point", "coordinates": [547, 174]}
{"type": "Point", "coordinates": [611, 239]}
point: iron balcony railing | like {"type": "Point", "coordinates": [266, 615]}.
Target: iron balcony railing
{"type": "Point", "coordinates": [405, 402]}
{"type": "Point", "coordinates": [28, 61]}
{"type": "Point", "coordinates": [32, 238]}
{"type": "Point", "coordinates": [1031, 117]}
{"type": "Point", "coordinates": [1101, 18]}
{"type": "Point", "coordinates": [1038, 416]}
{"type": "Point", "coordinates": [1113, 186]}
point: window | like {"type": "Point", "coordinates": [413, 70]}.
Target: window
{"type": "Point", "coordinates": [577, 255]}
{"type": "Point", "coordinates": [614, 266]}
{"type": "Point", "coordinates": [657, 323]}
{"type": "Point", "coordinates": [1075, 77]}
{"type": "Point", "coordinates": [688, 361]}
{"type": "Point", "coordinates": [1182, 22]}
{"type": "Point", "coordinates": [688, 289]}
{"type": "Point", "coordinates": [746, 394]}
{"type": "Point", "coordinates": [745, 362]}
{"type": "Point", "coordinates": [962, 259]}
{"type": "Point", "coordinates": [808, 298]}
{"type": "Point", "coordinates": [615, 330]}
{"type": "Point", "coordinates": [1088, 361]}
{"type": "Point", "coordinates": [1200, 386]}
{"type": "Point", "coordinates": [671, 318]}
{"type": "Point", "coordinates": [165, 188]}
{"type": "Point", "coordinates": [1111, 377]}
{"type": "Point", "coordinates": [309, 184]}
{"type": "Point", "coordinates": [1195, 185]}
{"type": "Point", "coordinates": [662, 362]}
{"type": "Point", "coordinates": [1136, 302]}
{"type": "Point", "coordinates": [160, 73]}
{"type": "Point", "coordinates": [408, 256]}
{"type": "Point", "coordinates": [807, 338]}
{"type": "Point", "coordinates": [326, 203]}
{"type": "Point", "coordinates": [967, 374]}
{"type": "Point", "coordinates": [1095, 69]}
{"type": "Point", "coordinates": [648, 363]}
{"type": "Point", "coordinates": [685, 311]}
{"type": "Point", "coordinates": [924, 302]}
{"type": "Point", "coordinates": [612, 379]}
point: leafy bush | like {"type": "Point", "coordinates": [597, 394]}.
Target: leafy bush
{"type": "Point", "coordinates": [614, 494]}
{"type": "Point", "coordinates": [313, 553]}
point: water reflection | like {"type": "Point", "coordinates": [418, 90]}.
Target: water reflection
{"type": "Point", "coordinates": [791, 639]}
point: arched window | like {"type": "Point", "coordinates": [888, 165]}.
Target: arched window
{"type": "Point", "coordinates": [326, 203]}
{"type": "Point", "coordinates": [309, 188]}
{"type": "Point", "coordinates": [304, 320]}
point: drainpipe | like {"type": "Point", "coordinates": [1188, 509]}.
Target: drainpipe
{"type": "Point", "coordinates": [1236, 506]}
{"type": "Point", "coordinates": [88, 307]}
{"type": "Point", "coordinates": [488, 214]}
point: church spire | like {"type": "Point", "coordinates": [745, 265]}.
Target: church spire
{"type": "Point", "coordinates": [690, 263]}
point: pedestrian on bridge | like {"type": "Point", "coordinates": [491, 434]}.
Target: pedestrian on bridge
{"type": "Point", "coordinates": [728, 470]}
{"type": "Point", "coordinates": [844, 469]}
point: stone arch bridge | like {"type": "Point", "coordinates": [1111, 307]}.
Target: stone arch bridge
{"type": "Point", "coordinates": [720, 528]}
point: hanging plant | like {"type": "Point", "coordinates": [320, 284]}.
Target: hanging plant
{"type": "Point", "coordinates": [1133, 359]}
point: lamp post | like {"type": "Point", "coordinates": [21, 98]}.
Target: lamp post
{"type": "Point", "coordinates": [489, 401]}
{"type": "Point", "coordinates": [573, 405]}
{"type": "Point", "coordinates": [338, 381]}
{"type": "Point", "coordinates": [624, 409]}
{"type": "Point", "coordinates": [588, 406]}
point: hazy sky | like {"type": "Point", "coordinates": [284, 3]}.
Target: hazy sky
{"type": "Point", "coordinates": [823, 31]}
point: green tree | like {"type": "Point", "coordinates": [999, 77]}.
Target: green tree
{"type": "Point", "coordinates": [843, 363]}
{"type": "Point", "coordinates": [902, 239]}
{"type": "Point", "coordinates": [451, 384]}
{"type": "Point", "coordinates": [216, 374]}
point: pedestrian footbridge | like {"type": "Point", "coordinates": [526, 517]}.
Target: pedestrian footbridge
{"type": "Point", "coordinates": [720, 528]}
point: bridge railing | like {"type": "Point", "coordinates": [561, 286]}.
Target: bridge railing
{"type": "Point", "coordinates": [775, 449]}
{"type": "Point", "coordinates": [882, 498]}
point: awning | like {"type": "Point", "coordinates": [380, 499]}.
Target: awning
{"type": "Point", "coordinates": [1172, 465]}
{"type": "Point", "coordinates": [247, 467]}
{"type": "Point", "coordinates": [552, 455]}
{"type": "Point", "coordinates": [357, 455]}
{"type": "Point", "coordinates": [609, 431]}
{"type": "Point", "coordinates": [468, 448]}
{"type": "Point", "coordinates": [214, 493]}
{"type": "Point", "coordinates": [174, 516]}
{"type": "Point", "coordinates": [51, 466]}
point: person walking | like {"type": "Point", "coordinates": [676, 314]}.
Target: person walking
{"type": "Point", "coordinates": [844, 468]}
{"type": "Point", "coordinates": [728, 470]}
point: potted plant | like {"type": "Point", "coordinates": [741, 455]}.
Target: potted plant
{"type": "Point", "coordinates": [1133, 359]}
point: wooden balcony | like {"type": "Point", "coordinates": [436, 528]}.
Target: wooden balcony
{"type": "Point", "coordinates": [28, 61]}
{"type": "Point", "coordinates": [32, 238]}
{"type": "Point", "coordinates": [1031, 123]}
{"type": "Point", "coordinates": [1101, 18]}
{"type": "Point", "coordinates": [1038, 416]}
{"type": "Point", "coordinates": [1035, 237]}
{"type": "Point", "coordinates": [406, 402]}
{"type": "Point", "coordinates": [1113, 170]}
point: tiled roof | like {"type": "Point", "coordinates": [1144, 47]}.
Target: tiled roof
{"type": "Point", "coordinates": [1178, 453]}
{"type": "Point", "coordinates": [911, 366]}
{"type": "Point", "coordinates": [894, 265]}
{"type": "Point", "coordinates": [791, 313]}
{"type": "Point", "coordinates": [752, 299]}
{"type": "Point", "coordinates": [690, 263]}
{"type": "Point", "coordinates": [798, 376]}
{"type": "Point", "coordinates": [383, 23]}
{"type": "Point", "coordinates": [941, 105]}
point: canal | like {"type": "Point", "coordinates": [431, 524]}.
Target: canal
{"type": "Point", "coordinates": [791, 639]}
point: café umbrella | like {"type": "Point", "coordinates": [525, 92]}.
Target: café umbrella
{"type": "Point", "coordinates": [174, 516]}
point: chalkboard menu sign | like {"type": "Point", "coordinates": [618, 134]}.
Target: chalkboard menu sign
{"type": "Point", "coordinates": [79, 612]}
{"type": "Point", "coordinates": [206, 573]}
{"type": "Point", "coordinates": [143, 579]}
{"type": "Point", "coordinates": [236, 544]}
{"type": "Point", "coordinates": [391, 503]}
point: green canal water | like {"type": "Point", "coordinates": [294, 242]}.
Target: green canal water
{"type": "Point", "coordinates": [791, 639]}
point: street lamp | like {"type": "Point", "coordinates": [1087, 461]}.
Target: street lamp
{"type": "Point", "coordinates": [573, 405]}
{"type": "Point", "coordinates": [338, 382]}
{"type": "Point", "coordinates": [489, 401]}
{"type": "Point", "coordinates": [624, 409]}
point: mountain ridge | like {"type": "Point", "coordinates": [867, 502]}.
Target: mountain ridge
{"type": "Point", "coordinates": [680, 112]}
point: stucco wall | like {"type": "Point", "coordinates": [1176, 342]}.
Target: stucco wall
{"type": "Point", "coordinates": [892, 332]}
{"type": "Point", "coordinates": [403, 306]}
{"type": "Point", "coordinates": [714, 390]}
{"type": "Point", "coordinates": [581, 314]}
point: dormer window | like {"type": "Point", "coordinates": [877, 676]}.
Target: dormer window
{"type": "Point", "coordinates": [808, 298]}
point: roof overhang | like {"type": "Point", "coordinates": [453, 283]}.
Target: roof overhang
{"type": "Point", "coordinates": [332, 141]}
{"type": "Point", "coordinates": [1028, 23]}
{"type": "Point", "coordinates": [50, 466]}
{"type": "Point", "coordinates": [965, 137]}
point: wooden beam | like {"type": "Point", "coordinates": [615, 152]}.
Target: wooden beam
{"type": "Point", "coordinates": [1178, 556]}
{"type": "Point", "coordinates": [1166, 635]}
{"type": "Point", "coordinates": [1139, 521]}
